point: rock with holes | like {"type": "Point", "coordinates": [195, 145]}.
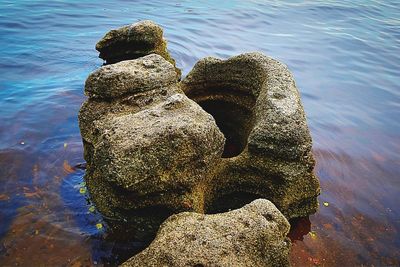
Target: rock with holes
{"type": "Point", "coordinates": [254, 235]}
{"type": "Point", "coordinates": [151, 151]}
{"type": "Point", "coordinates": [267, 154]}
{"type": "Point", "coordinates": [134, 41]}
{"type": "Point", "coordinates": [232, 131]}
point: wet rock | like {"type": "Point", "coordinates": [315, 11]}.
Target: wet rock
{"type": "Point", "coordinates": [254, 235]}
{"type": "Point", "coordinates": [134, 41]}
{"type": "Point", "coordinates": [267, 154]}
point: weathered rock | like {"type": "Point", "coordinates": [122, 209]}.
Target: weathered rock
{"type": "Point", "coordinates": [130, 77]}
{"type": "Point", "coordinates": [152, 151]}
{"type": "Point", "coordinates": [134, 41]}
{"type": "Point", "coordinates": [148, 146]}
{"type": "Point", "coordinates": [254, 235]}
{"type": "Point", "coordinates": [255, 103]}
{"type": "Point", "coordinates": [167, 148]}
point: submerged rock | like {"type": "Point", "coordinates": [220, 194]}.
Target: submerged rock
{"type": "Point", "coordinates": [134, 41]}
{"type": "Point", "coordinates": [254, 235]}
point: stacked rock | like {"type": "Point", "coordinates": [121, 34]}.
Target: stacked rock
{"type": "Point", "coordinates": [231, 132]}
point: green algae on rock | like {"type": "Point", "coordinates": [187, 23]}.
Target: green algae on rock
{"type": "Point", "coordinates": [134, 41]}
{"type": "Point", "coordinates": [254, 235]}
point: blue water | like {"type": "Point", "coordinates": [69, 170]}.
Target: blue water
{"type": "Point", "coordinates": [345, 56]}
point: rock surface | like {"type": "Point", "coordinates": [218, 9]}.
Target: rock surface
{"type": "Point", "coordinates": [130, 77]}
{"type": "Point", "coordinates": [147, 145]}
{"type": "Point", "coordinates": [267, 154]}
{"type": "Point", "coordinates": [134, 41]}
{"type": "Point", "coordinates": [254, 235]}
{"type": "Point", "coordinates": [232, 131]}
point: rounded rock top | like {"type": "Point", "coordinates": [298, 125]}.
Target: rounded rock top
{"type": "Point", "coordinates": [146, 31]}
{"type": "Point", "coordinates": [130, 77]}
{"type": "Point", "coordinates": [134, 41]}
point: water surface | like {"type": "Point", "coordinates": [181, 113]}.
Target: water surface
{"type": "Point", "coordinates": [345, 56]}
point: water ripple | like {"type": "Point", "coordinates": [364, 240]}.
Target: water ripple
{"type": "Point", "coordinates": [345, 56]}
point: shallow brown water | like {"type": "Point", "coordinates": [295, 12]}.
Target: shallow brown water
{"type": "Point", "coordinates": [343, 232]}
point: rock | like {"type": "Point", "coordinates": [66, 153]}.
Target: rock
{"type": "Point", "coordinates": [167, 148]}
{"type": "Point", "coordinates": [153, 149]}
{"type": "Point", "coordinates": [130, 77]}
{"type": "Point", "coordinates": [254, 235]}
{"type": "Point", "coordinates": [134, 41]}
{"type": "Point", "coordinates": [148, 146]}
{"type": "Point", "coordinates": [255, 103]}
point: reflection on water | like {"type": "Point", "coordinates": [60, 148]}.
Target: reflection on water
{"type": "Point", "coordinates": [346, 60]}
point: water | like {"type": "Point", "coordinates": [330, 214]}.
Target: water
{"type": "Point", "coordinates": [345, 56]}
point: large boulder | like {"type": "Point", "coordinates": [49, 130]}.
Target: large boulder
{"type": "Point", "coordinates": [254, 235]}
{"type": "Point", "coordinates": [134, 41]}
{"type": "Point", "coordinates": [148, 146]}
{"type": "Point", "coordinates": [267, 154]}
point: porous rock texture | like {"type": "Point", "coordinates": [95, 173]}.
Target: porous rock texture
{"type": "Point", "coordinates": [133, 41]}
{"type": "Point", "coordinates": [254, 235]}
{"type": "Point", "coordinates": [257, 106]}
{"type": "Point", "coordinates": [146, 144]}
{"type": "Point", "coordinates": [232, 131]}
